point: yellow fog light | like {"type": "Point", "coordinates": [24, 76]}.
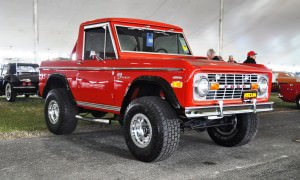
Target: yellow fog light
{"type": "Point", "coordinates": [214, 86]}
{"type": "Point", "coordinates": [177, 84]}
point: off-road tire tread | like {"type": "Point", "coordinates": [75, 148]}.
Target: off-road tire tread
{"type": "Point", "coordinates": [245, 134]}
{"type": "Point", "coordinates": [169, 124]}
{"type": "Point", "coordinates": [68, 121]}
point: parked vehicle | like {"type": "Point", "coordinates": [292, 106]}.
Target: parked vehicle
{"type": "Point", "coordinates": [18, 79]}
{"type": "Point", "coordinates": [145, 74]}
{"type": "Point", "coordinates": [275, 85]}
{"type": "Point", "coordinates": [290, 92]}
{"type": "Point", "coordinates": [282, 78]}
{"type": "Point", "coordinates": [287, 77]}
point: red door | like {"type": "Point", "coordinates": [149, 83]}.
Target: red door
{"type": "Point", "coordinates": [95, 82]}
{"type": "Point", "coordinates": [95, 78]}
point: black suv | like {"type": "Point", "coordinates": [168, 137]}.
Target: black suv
{"type": "Point", "coordinates": [18, 79]}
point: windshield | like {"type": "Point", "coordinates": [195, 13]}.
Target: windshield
{"type": "Point", "coordinates": [291, 74]}
{"type": "Point", "coordinates": [27, 69]}
{"type": "Point", "coordinates": [145, 40]}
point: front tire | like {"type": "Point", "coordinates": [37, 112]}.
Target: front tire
{"type": "Point", "coordinates": [60, 112]}
{"type": "Point", "coordinates": [152, 129]}
{"type": "Point", "coordinates": [10, 94]}
{"type": "Point", "coordinates": [242, 131]}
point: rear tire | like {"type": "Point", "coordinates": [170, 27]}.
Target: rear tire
{"type": "Point", "coordinates": [242, 132]}
{"type": "Point", "coordinates": [10, 94]}
{"type": "Point", "coordinates": [152, 129]}
{"type": "Point", "coordinates": [60, 112]}
{"type": "Point", "coordinates": [298, 102]}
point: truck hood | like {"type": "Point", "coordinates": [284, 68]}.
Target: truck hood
{"type": "Point", "coordinates": [219, 66]}
{"type": "Point", "coordinates": [196, 63]}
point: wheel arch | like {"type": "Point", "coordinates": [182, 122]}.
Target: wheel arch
{"type": "Point", "coordinates": [56, 80]}
{"type": "Point", "coordinates": [298, 95]}
{"type": "Point", "coordinates": [3, 85]}
{"type": "Point", "coordinates": [5, 81]}
{"type": "Point", "coordinates": [150, 86]}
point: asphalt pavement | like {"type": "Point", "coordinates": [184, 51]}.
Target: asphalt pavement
{"type": "Point", "coordinates": [103, 154]}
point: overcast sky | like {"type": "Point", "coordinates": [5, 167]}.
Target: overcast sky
{"type": "Point", "coordinates": [270, 27]}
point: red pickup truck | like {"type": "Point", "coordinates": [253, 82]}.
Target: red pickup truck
{"type": "Point", "coordinates": [145, 74]}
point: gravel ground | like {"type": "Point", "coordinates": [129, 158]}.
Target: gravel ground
{"type": "Point", "coordinates": [102, 154]}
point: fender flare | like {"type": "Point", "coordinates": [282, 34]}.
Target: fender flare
{"type": "Point", "coordinates": [155, 80]}
{"type": "Point", "coordinates": [62, 78]}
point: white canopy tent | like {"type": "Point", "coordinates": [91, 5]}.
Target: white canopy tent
{"type": "Point", "coordinates": [269, 27]}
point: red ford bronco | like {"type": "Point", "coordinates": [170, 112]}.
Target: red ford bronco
{"type": "Point", "coordinates": [145, 74]}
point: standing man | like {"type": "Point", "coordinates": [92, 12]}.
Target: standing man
{"type": "Point", "coordinates": [251, 57]}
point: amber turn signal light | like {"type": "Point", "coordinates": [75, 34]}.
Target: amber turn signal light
{"type": "Point", "coordinates": [214, 86]}
{"type": "Point", "coordinates": [254, 86]}
{"type": "Point", "coordinates": [177, 84]}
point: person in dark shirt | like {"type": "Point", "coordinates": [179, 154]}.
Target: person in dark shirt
{"type": "Point", "coordinates": [217, 58]}
{"type": "Point", "coordinates": [251, 57]}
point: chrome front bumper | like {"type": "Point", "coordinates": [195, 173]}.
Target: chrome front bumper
{"type": "Point", "coordinates": [221, 110]}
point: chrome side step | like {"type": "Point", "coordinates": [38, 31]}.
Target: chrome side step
{"type": "Point", "coordinates": [103, 121]}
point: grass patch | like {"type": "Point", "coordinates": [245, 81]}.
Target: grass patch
{"type": "Point", "coordinates": [26, 114]}
{"type": "Point", "coordinates": [280, 104]}
{"type": "Point", "coordinates": [25, 117]}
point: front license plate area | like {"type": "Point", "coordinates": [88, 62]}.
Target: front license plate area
{"type": "Point", "coordinates": [248, 95]}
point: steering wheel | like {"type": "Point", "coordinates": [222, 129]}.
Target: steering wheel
{"type": "Point", "coordinates": [161, 49]}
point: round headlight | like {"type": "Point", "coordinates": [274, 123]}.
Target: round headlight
{"type": "Point", "coordinates": [262, 86]}
{"type": "Point", "coordinates": [202, 86]}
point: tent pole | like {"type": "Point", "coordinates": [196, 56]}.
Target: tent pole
{"type": "Point", "coordinates": [221, 27]}
{"type": "Point", "coordinates": [36, 30]}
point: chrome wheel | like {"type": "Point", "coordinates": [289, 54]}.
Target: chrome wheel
{"type": "Point", "coordinates": [229, 129]}
{"type": "Point", "coordinates": [8, 91]}
{"type": "Point", "coordinates": [140, 130]}
{"type": "Point", "coordinates": [53, 111]}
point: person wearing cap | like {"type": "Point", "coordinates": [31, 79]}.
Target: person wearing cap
{"type": "Point", "coordinates": [231, 59]}
{"type": "Point", "coordinates": [211, 55]}
{"type": "Point", "coordinates": [251, 57]}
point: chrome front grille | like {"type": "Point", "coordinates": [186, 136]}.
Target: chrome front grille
{"type": "Point", "coordinates": [231, 85]}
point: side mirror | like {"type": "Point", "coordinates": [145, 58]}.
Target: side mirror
{"type": "Point", "coordinates": [79, 61]}
{"type": "Point", "coordinates": [95, 56]}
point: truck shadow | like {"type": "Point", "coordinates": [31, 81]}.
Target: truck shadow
{"type": "Point", "coordinates": [111, 141]}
